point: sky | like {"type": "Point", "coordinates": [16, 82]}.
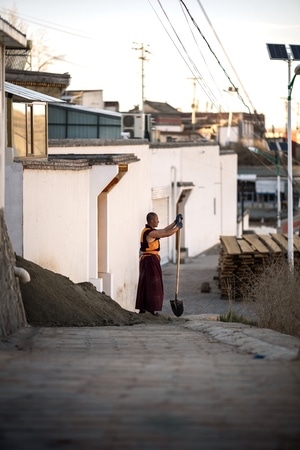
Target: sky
{"type": "Point", "coordinates": [194, 50]}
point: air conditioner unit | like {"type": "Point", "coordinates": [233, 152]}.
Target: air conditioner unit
{"type": "Point", "coordinates": [133, 124]}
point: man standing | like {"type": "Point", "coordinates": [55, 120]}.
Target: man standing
{"type": "Point", "coordinates": [150, 290]}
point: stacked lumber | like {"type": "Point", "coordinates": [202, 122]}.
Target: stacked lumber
{"type": "Point", "coordinates": [242, 257]}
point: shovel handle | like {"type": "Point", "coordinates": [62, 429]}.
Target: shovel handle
{"type": "Point", "coordinates": [178, 264]}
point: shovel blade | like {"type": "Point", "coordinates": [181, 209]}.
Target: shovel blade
{"type": "Point", "coordinates": [177, 307]}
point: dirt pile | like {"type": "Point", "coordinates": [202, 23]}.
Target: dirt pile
{"type": "Point", "coordinates": [53, 300]}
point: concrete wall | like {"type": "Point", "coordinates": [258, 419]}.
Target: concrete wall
{"type": "Point", "coordinates": [129, 203]}
{"type": "Point", "coordinates": [228, 192]}
{"type": "Point", "coordinates": [56, 220]}
{"type": "Point", "coordinates": [13, 211]}
{"type": "Point", "coordinates": [121, 217]}
{"type": "Point", "coordinates": [12, 315]}
{"type": "Point", "coordinates": [74, 227]}
{"type": "Point", "coordinates": [211, 208]}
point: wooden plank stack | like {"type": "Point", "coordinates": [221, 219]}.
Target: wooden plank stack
{"type": "Point", "coordinates": [241, 257]}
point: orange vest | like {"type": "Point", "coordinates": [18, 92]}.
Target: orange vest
{"type": "Point", "coordinates": [149, 247]}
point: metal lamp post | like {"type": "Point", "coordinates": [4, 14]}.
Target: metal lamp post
{"type": "Point", "coordinates": [289, 54]}
{"type": "Point", "coordinates": [290, 169]}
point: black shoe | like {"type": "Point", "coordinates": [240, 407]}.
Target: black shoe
{"type": "Point", "coordinates": [154, 313]}
{"type": "Point", "coordinates": [142, 311]}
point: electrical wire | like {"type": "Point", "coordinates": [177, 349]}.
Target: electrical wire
{"type": "Point", "coordinates": [207, 89]}
{"type": "Point", "coordinates": [191, 65]}
{"type": "Point", "coordinates": [50, 25]}
{"type": "Point", "coordinates": [225, 53]}
{"type": "Point", "coordinates": [254, 115]}
{"type": "Point", "coordinates": [215, 56]}
{"type": "Point", "coordinates": [201, 53]}
{"type": "Point", "coordinates": [203, 85]}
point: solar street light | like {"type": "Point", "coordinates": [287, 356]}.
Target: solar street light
{"type": "Point", "coordinates": [288, 53]}
{"type": "Point", "coordinates": [296, 72]}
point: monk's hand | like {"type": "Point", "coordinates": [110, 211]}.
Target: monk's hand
{"type": "Point", "coordinates": [178, 219]}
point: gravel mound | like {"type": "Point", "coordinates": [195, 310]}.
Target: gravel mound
{"type": "Point", "coordinates": [53, 300]}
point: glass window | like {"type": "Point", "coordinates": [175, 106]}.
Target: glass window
{"type": "Point", "coordinates": [19, 128]}
{"type": "Point", "coordinates": [39, 129]}
{"type": "Point", "coordinates": [29, 129]}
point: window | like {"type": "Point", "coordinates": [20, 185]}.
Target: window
{"type": "Point", "coordinates": [29, 129]}
{"type": "Point", "coordinates": [71, 123]}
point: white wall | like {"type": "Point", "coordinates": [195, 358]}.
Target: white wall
{"type": "Point", "coordinates": [228, 182]}
{"type": "Point", "coordinates": [13, 211]}
{"type": "Point", "coordinates": [93, 99]}
{"type": "Point", "coordinates": [129, 202]}
{"type": "Point", "coordinates": [223, 137]}
{"type": "Point", "coordinates": [201, 164]}
{"type": "Point", "coordinates": [62, 209]}
{"type": "Point", "coordinates": [126, 206]}
{"type": "Point", "coordinates": [56, 220]}
{"type": "Point", "coordinates": [211, 207]}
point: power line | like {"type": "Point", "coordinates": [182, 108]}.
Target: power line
{"type": "Point", "coordinates": [191, 65]}
{"type": "Point", "coordinates": [214, 54]}
{"type": "Point", "coordinates": [228, 59]}
{"type": "Point", "coordinates": [46, 24]}
{"type": "Point", "coordinates": [199, 49]}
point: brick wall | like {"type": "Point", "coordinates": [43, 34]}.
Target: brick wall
{"type": "Point", "coordinates": [12, 314]}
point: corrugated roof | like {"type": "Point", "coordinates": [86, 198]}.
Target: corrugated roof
{"type": "Point", "coordinates": [21, 93]}
{"type": "Point", "coordinates": [107, 112]}
{"type": "Point", "coordinates": [10, 37]}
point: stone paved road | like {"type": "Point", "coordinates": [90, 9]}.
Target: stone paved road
{"type": "Point", "coordinates": [143, 387]}
{"type": "Point", "coordinates": [193, 273]}
{"type": "Point", "coordinates": [180, 386]}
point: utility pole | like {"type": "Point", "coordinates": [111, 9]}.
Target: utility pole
{"type": "Point", "coordinates": [195, 102]}
{"type": "Point", "coordinates": [230, 90]}
{"type": "Point", "coordinates": [143, 58]}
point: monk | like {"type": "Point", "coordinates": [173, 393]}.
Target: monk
{"type": "Point", "coordinates": [150, 290]}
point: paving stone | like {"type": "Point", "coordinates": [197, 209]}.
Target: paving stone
{"type": "Point", "coordinates": [185, 385]}
{"type": "Point", "coordinates": [145, 387]}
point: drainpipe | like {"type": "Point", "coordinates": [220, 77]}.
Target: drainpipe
{"type": "Point", "coordinates": [22, 274]}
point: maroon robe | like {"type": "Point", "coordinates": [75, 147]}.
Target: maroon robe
{"type": "Point", "coordinates": [150, 290]}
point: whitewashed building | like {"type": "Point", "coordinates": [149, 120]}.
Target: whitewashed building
{"type": "Point", "coordinates": [79, 210]}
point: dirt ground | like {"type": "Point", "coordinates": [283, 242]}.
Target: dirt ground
{"type": "Point", "coordinates": [53, 300]}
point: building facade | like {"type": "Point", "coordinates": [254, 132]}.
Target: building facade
{"type": "Point", "coordinates": [76, 205]}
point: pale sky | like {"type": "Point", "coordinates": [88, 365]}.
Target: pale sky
{"type": "Point", "coordinates": [98, 37]}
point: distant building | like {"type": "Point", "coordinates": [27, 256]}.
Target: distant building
{"type": "Point", "coordinates": [52, 84]}
{"type": "Point", "coordinates": [171, 125]}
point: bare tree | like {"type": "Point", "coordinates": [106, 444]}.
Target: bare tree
{"type": "Point", "coordinates": [42, 56]}
{"type": "Point", "coordinates": [39, 56]}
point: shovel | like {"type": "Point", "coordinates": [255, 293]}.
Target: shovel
{"type": "Point", "coordinates": [177, 305]}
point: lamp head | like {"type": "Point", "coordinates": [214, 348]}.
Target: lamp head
{"type": "Point", "coordinates": [290, 86]}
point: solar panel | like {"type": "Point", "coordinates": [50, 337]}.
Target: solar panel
{"type": "Point", "coordinates": [272, 146]}
{"type": "Point", "coordinates": [283, 146]}
{"type": "Point", "coordinates": [295, 49]}
{"type": "Point", "coordinates": [277, 51]}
